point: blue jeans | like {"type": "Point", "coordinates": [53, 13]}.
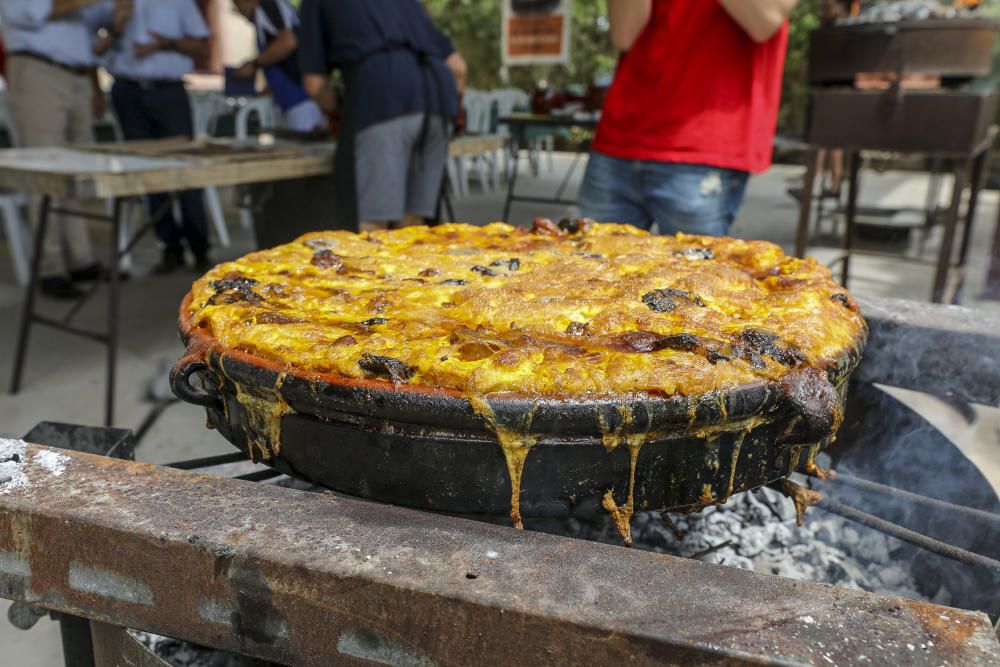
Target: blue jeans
{"type": "Point", "coordinates": [690, 198]}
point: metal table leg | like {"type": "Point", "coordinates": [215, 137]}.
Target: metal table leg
{"type": "Point", "coordinates": [852, 210]}
{"type": "Point", "coordinates": [28, 312]}
{"type": "Point", "coordinates": [951, 224]}
{"type": "Point", "coordinates": [805, 203]}
{"type": "Point", "coordinates": [113, 302]}
{"type": "Point", "coordinates": [517, 141]}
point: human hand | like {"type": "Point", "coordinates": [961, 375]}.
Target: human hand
{"type": "Point", "coordinates": [157, 43]}
{"type": "Point", "coordinates": [245, 71]}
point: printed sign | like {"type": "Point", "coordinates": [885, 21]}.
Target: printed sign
{"type": "Point", "coordinates": [536, 31]}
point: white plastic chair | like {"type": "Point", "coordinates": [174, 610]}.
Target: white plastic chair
{"type": "Point", "coordinates": [12, 205]}
{"type": "Point", "coordinates": [479, 115]}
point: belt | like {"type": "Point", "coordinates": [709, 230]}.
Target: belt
{"type": "Point", "coordinates": [150, 84]}
{"type": "Point", "coordinates": [79, 70]}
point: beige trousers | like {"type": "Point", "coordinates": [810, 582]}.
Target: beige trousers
{"type": "Point", "coordinates": [50, 106]}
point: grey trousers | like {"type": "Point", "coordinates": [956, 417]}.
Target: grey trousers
{"type": "Point", "coordinates": [50, 106]}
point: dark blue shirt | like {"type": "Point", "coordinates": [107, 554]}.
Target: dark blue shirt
{"type": "Point", "coordinates": [390, 54]}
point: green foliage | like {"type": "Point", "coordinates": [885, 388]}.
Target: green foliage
{"type": "Point", "coordinates": [795, 85]}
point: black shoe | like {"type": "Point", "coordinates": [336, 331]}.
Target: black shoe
{"type": "Point", "coordinates": [58, 287]}
{"type": "Point", "coordinates": [87, 273]}
{"type": "Point", "coordinates": [202, 264]}
{"type": "Point", "coordinates": [172, 261]}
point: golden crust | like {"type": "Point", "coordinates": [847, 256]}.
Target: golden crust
{"type": "Point", "coordinates": [604, 311]}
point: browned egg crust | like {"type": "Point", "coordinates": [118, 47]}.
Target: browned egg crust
{"type": "Point", "coordinates": [577, 309]}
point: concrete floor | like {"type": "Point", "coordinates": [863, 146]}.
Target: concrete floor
{"type": "Point", "coordinates": [65, 375]}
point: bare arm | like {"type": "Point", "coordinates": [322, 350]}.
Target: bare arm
{"type": "Point", "coordinates": [318, 88]}
{"type": "Point", "coordinates": [195, 48]}
{"type": "Point", "coordinates": [627, 19]}
{"type": "Point", "coordinates": [456, 63]}
{"type": "Point", "coordinates": [283, 46]}
{"type": "Point", "coordinates": [761, 19]}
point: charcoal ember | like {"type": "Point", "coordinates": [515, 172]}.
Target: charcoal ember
{"type": "Point", "coordinates": [327, 259]}
{"type": "Point", "coordinates": [695, 253]}
{"type": "Point", "coordinates": [374, 321]}
{"type": "Point", "coordinates": [453, 281]}
{"type": "Point", "coordinates": [576, 225]}
{"type": "Point", "coordinates": [893, 577]}
{"type": "Point", "coordinates": [667, 300]}
{"type": "Point", "coordinates": [754, 343]}
{"type": "Point", "coordinates": [874, 547]}
{"type": "Point", "coordinates": [389, 368]}
{"type": "Point", "coordinates": [430, 273]}
{"type": "Point", "coordinates": [483, 270]}
{"type": "Point", "coordinates": [546, 226]}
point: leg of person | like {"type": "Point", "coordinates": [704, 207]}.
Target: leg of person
{"type": "Point", "coordinates": [425, 174]}
{"type": "Point", "coordinates": [78, 249]}
{"type": "Point", "coordinates": [610, 192]}
{"type": "Point", "coordinates": [690, 198]}
{"type": "Point", "coordinates": [174, 120]}
{"type": "Point", "coordinates": [170, 110]}
{"type": "Point", "coordinates": [40, 119]}
{"type": "Point", "coordinates": [136, 124]}
{"type": "Point", "coordinates": [381, 161]}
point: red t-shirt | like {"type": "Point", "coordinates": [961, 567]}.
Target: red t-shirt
{"type": "Point", "coordinates": [695, 88]}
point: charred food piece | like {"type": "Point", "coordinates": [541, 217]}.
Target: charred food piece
{"type": "Point", "coordinates": [575, 226]}
{"type": "Point", "coordinates": [374, 321]}
{"type": "Point", "coordinates": [667, 299]}
{"type": "Point", "coordinates": [845, 300]}
{"type": "Point", "coordinates": [275, 317]}
{"type": "Point", "coordinates": [234, 289]}
{"type": "Point", "coordinates": [753, 344]}
{"type": "Point", "coordinates": [512, 264]}
{"type": "Point", "coordinates": [453, 281]}
{"type": "Point", "coordinates": [811, 395]}
{"type": "Point", "coordinates": [483, 270]}
{"type": "Point", "coordinates": [546, 226]}
{"type": "Point", "coordinates": [386, 367]}
{"type": "Point", "coordinates": [647, 341]}
{"type": "Point", "coordinates": [327, 259]}
{"type": "Point", "coordinates": [429, 273]}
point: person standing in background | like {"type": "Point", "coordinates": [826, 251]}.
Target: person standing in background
{"type": "Point", "coordinates": [53, 97]}
{"type": "Point", "coordinates": [692, 111]}
{"type": "Point", "coordinates": [277, 24]}
{"type": "Point", "coordinates": [149, 46]}
{"type": "Point", "coordinates": [402, 78]}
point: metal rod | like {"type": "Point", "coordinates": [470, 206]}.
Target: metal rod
{"type": "Point", "coordinates": [70, 329]}
{"type": "Point", "coordinates": [27, 314]}
{"type": "Point", "coordinates": [850, 218]}
{"type": "Point", "coordinates": [805, 204]}
{"type": "Point", "coordinates": [152, 417]}
{"type": "Point", "coordinates": [948, 240]}
{"type": "Point", "coordinates": [208, 462]}
{"type": "Point", "coordinates": [915, 498]}
{"type": "Point", "coordinates": [77, 213]}
{"type": "Point", "coordinates": [113, 302]}
{"type": "Point", "coordinates": [517, 136]}
{"type": "Point", "coordinates": [569, 175]}
{"type": "Point", "coordinates": [907, 535]}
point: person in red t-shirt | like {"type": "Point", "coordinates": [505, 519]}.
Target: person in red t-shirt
{"type": "Point", "coordinates": [691, 112]}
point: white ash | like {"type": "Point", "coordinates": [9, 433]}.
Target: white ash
{"type": "Point", "coordinates": [12, 453]}
{"type": "Point", "coordinates": [183, 654]}
{"type": "Point", "coordinates": [51, 460]}
{"type": "Point", "coordinates": [765, 538]}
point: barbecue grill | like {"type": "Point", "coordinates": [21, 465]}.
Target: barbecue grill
{"type": "Point", "coordinates": [309, 578]}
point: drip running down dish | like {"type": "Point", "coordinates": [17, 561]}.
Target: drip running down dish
{"type": "Point", "coordinates": [546, 371]}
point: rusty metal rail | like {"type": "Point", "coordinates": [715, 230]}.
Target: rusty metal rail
{"type": "Point", "coordinates": [309, 579]}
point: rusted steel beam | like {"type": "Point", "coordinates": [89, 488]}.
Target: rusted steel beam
{"type": "Point", "coordinates": [947, 351]}
{"type": "Point", "coordinates": [309, 579]}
